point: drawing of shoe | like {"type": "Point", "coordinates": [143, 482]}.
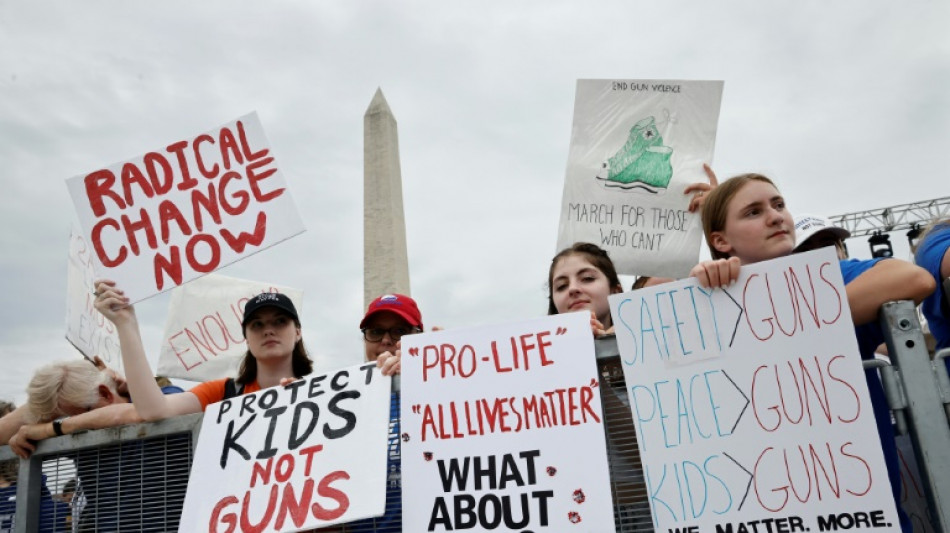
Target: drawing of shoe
{"type": "Point", "coordinates": [643, 161]}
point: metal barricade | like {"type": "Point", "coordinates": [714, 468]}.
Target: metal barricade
{"type": "Point", "coordinates": [921, 401]}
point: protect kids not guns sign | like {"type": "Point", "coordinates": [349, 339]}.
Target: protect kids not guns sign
{"type": "Point", "coordinates": [307, 455]}
{"type": "Point", "coordinates": [182, 210]}
{"type": "Point", "coordinates": [503, 429]}
{"type": "Point", "coordinates": [750, 403]}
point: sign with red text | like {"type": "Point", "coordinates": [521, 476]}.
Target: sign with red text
{"type": "Point", "coordinates": [86, 329]}
{"type": "Point", "coordinates": [635, 146]}
{"type": "Point", "coordinates": [503, 429]}
{"type": "Point", "coordinates": [203, 337]}
{"type": "Point", "coordinates": [307, 455]}
{"type": "Point", "coordinates": [186, 209]}
{"type": "Point", "coordinates": [750, 402]}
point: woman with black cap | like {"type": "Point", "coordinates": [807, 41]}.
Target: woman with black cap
{"type": "Point", "coordinates": [275, 351]}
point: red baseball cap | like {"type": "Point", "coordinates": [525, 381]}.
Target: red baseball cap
{"type": "Point", "coordinates": [400, 304]}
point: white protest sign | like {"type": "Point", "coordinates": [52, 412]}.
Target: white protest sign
{"type": "Point", "coordinates": [635, 146]}
{"type": "Point", "coordinates": [203, 337]}
{"type": "Point", "coordinates": [307, 455]}
{"type": "Point", "coordinates": [86, 329]}
{"type": "Point", "coordinates": [750, 403]}
{"type": "Point", "coordinates": [503, 429]}
{"type": "Point", "coordinates": [173, 214]}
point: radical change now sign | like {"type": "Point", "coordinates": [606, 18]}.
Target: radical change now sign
{"type": "Point", "coordinates": [182, 210]}
{"type": "Point", "coordinates": [503, 429]}
{"type": "Point", "coordinates": [750, 402]}
{"type": "Point", "coordinates": [307, 455]}
{"type": "Point", "coordinates": [635, 146]}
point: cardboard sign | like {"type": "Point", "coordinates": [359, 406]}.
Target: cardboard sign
{"type": "Point", "coordinates": [183, 210]}
{"type": "Point", "coordinates": [750, 403]}
{"type": "Point", "coordinates": [86, 329]}
{"type": "Point", "coordinates": [503, 429]}
{"type": "Point", "coordinates": [290, 458]}
{"type": "Point", "coordinates": [203, 337]}
{"type": "Point", "coordinates": [635, 146]}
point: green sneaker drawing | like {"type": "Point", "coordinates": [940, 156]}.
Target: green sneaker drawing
{"type": "Point", "coordinates": [642, 163]}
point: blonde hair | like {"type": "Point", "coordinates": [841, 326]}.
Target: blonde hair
{"type": "Point", "coordinates": [74, 383]}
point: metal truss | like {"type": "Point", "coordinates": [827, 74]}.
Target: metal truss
{"type": "Point", "coordinates": [894, 218]}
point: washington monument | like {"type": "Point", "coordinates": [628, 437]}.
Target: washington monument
{"type": "Point", "coordinates": [385, 260]}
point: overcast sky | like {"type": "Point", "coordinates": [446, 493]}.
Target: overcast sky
{"type": "Point", "coordinates": [844, 104]}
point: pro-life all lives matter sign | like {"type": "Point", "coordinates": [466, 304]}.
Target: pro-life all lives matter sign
{"type": "Point", "coordinates": [503, 429]}
{"type": "Point", "coordinates": [635, 146]}
{"type": "Point", "coordinates": [182, 210]}
{"type": "Point", "coordinates": [750, 403]}
{"type": "Point", "coordinates": [307, 455]}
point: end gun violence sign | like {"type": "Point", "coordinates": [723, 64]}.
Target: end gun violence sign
{"type": "Point", "coordinates": [503, 429]}
{"type": "Point", "coordinates": [307, 455]}
{"type": "Point", "coordinates": [751, 405]}
{"type": "Point", "coordinates": [635, 146]}
{"type": "Point", "coordinates": [185, 209]}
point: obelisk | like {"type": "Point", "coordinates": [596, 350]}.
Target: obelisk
{"type": "Point", "coordinates": [385, 259]}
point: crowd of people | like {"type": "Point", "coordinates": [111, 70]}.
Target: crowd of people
{"type": "Point", "coordinates": [745, 220]}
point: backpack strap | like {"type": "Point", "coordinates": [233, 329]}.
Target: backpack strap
{"type": "Point", "coordinates": [231, 389]}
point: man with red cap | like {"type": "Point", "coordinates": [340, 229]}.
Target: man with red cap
{"type": "Point", "coordinates": [387, 319]}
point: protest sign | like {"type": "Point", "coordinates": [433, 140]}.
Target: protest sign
{"type": "Point", "coordinates": [173, 214]}
{"type": "Point", "coordinates": [203, 336]}
{"type": "Point", "coordinates": [635, 146]}
{"type": "Point", "coordinates": [86, 329]}
{"type": "Point", "coordinates": [503, 429]}
{"type": "Point", "coordinates": [750, 402]}
{"type": "Point", "coordinates": [307, 455]}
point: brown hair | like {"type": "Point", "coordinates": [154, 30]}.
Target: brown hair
{"type": "Point", "coordinates": [596, 255]}
{"type": "Point", "coordinates": [716, 207]}
{"type": "Point", "coordinates": [300, 359]}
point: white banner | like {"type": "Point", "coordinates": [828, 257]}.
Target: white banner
{"type": "Point", "coordinates": [171, 215]}
{"type": "Point", "coordinates": [203, 337]}
{"type": "Point", "coordinates": [635, 146]}
{"type": "Point", "coordinates": [86, 329]}
{"type": "Point", "coordinates": [307, 455]}
{"type": "Point", "coordinates": [750, 402]}
{"type": "Point", "coordinates": [503, 429]}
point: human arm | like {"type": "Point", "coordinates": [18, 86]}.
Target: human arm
{"type": "Point", "coordinates": [11, 423]}
{"type": "Point", "coordinates": [888, 280]}
{"type": "Point", "coordinates": [701, 189]}
{"type": "Point", "coordinates": [150, 403]}
{"type": "Point", "coordinates": [24, 441]}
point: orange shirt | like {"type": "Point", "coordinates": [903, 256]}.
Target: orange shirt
{"type": "Point", "coordinates": [210, 392]}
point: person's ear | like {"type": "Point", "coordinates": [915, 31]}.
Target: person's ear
{"type": "Point", "coordinates": [106, 395]}
{"type": "Point", "coordinates": [720, 243]}
{"type": "Point", "coordinates": [299, 336]}
{"type": "Point", "coordinates": [616, 289]}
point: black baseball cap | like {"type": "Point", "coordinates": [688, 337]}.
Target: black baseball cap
{"type": "Point", "coordinates": [268, 299]}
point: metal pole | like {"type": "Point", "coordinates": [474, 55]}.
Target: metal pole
{"type": "Point", "coordinates": [929, 430]}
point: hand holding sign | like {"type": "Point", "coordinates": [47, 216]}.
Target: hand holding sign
{"type": "Point", "coordinates": [112, 302]}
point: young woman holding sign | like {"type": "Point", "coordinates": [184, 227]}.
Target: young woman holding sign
{"type": "Point", "coordinates": [745, 221]}
{"type": "Point", "coordinates": [275, 351]}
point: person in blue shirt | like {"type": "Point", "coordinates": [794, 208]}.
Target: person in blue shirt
{"type": "Point", "coordinates": [933, 255]}
{"type": "Point", "coordinates": [745, 220]}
